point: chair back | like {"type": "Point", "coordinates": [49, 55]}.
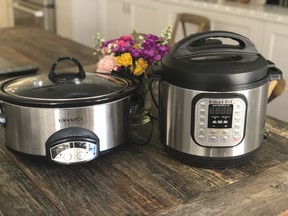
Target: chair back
{"type": "Point", "coordinates": [276, 88]}
{"type": "Point", "coordinates": [183, 19]}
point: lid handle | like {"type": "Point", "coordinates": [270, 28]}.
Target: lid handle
{"type": "Point", "coordinates": [199, 43]}
{"type": "Point", "coordinates": [66, 76]}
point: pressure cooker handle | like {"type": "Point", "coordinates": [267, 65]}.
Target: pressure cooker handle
{"type": "Point", "coordinates": [274, 72]}
{"type": "Point", "coordinates": [66, 76]}
{"type": "Point", "coordinates": [197, 44]}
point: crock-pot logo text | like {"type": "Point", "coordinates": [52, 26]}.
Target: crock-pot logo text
{"type": "Point", "coordinates": [75, 119]}
{"type": "Point", "coordinates": [221, 101]}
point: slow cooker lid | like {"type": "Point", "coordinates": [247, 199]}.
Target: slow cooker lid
{"type": "Point", "coordinates": [94, 86]}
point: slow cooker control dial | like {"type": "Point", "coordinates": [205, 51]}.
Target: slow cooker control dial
{"type": "Point", "coordinates": [74, 152]}
{"type": "Point", "coordinates": [219, 121]}
{"type": "Point", "coordinates": [72, 145]}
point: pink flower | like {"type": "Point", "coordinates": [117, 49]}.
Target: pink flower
{"type": "Point", "coordinates": [106, 64]}
{"type": "Point", "coordinates": [126, 38]}
{"type": "Point", "coordinates": [122, 43]}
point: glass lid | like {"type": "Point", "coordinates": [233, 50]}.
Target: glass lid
{"type": "Point", "coordinates": [66, 86]}
{"type": "Point", "coordinates": [40, 87]}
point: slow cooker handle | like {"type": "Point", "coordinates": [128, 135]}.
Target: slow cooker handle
{"type": "Point", "coordinates": [2, 116]}
{"type": "Point", "coordinates": [185, 47]}
{"type": "Point", "coordinates": [66, 76]}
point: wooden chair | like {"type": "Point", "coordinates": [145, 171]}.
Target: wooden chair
{"type": "Point", "coordinates": [184, 19]}
{"type": "Point", "coordinates": [276, 88]}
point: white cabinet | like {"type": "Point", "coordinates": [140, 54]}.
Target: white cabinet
{"type": "Point", "coordinates": [6, 16]}
{"type": "Point", "coordinates": [117, 19]}
{"type": "Point", "coordinates": [275, 47]}
{"type": "Point", "coordinates": [124, 16]}
{"type": "Point", "coordinates": [251, 28]}
{"type": "Point", "coordinates": [78, 20]}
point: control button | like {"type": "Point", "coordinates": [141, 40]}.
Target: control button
{"type": "Point", "coordinates": [238, 111]}
{"type": "Point", "coordinates": [236, 131]}
{"type": "Point", "coordinates": [201, 138]}
{"type": "Point", "coordinates": [238, 118]}
{"type": "Point", "coordinates": [81, 155]}
{"type": "Point", "coordinates": [201, 124]}
{"type": "Point", "coordinates": [202, 111]}
{"type": "Point", "coordinates": [201, 131]}
{"type": "Point", "coordinates": [202, 118]}
{"type": "Point", "coordinates": [236, 138]}
{"type": "Point", "coordinates": [237, 125]}
{"type": "Point", "coordinates": [213, 138]}
{"type": "Point", "coordinates": [67, 156]}
{"type": "Point", "coordinates": [238, 114]}
{"type": "Point", "coordinates": [239, 106]}
{"type": "Point", "coordinates": [224, 138]}
{"type": "Point", "coordinates": [213, 131]}
{"type": "Point", "coordinates": [202, 104]}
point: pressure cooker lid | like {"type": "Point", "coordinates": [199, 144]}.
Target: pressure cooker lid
{"type": "Point", "coordinates": [66, 86]}
{"type": "Point", "coordinates": [204, 59]}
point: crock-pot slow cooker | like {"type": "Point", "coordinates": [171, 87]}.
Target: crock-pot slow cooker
{"type": "Point", "coordinates": [66, 117]}
{"type": "Point", "coordinates": [213, 98]}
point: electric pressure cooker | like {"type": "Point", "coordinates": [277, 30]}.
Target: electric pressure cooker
{"type": "Point", "coordinates": [66, 117]}
{"type": "Point", "coordinates": [213, 98]}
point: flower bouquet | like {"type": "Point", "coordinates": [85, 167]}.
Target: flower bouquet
{"type": "Point", "coordinates": [129, 56]}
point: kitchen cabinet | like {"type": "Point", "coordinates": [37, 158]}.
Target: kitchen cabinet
{"type": "Point", "coordinates": [219, 21]}
{"type": "Point", "coordinates": [6, 17]}
{"type": "Point", "coordinates": [118, 19]}
{"type": "Point", "coordinates": [122, 17]}
{"type": "Point", "coordinates": [77, 20]}
{"type": "Point", "coordinates": [275, 46]}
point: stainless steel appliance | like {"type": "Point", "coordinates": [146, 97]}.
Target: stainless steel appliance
{"type": "Point", "coordinates": [213, 99]}
{"type": "Point", "coordinates": [66, 117]}
{"type": "Point", "coordinates": [36, 13]}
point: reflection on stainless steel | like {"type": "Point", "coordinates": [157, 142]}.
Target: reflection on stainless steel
{"type": "Point", "coordinates": [36, 13]}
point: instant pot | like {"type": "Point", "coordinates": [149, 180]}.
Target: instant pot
{"type": "Point", "coordinates": [66, 117]}
{"type": "Point", "coordinates": [213, 98]}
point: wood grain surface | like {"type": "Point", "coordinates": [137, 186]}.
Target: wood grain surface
{"type": "Point", "coordinates": [41, 48]}
{"type": "Point", "coordinates": [264, 193]}
{"type": "Point", "coordinates": [18, 194]}
{"type": "Point", "coordinates": [138, 179]}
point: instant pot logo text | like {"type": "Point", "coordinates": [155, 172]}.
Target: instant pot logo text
{"type": "Point", "coordinates": [76, 119]}
{"type": "Point", "coordinates": [221, 101]}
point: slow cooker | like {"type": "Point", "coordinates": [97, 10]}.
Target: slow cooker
{"type": "Point", "coordinates": [66, 117]}
{"type": "Point", "coordinates": [212, 99]}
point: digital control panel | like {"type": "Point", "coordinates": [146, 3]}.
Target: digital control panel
{"type": "Point", "coordinates": [219, 122]}
{"type": "Point", "coordinates": [74, 152]}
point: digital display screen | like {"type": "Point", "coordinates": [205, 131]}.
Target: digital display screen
{"type": "Point", "coordinates": [220, 115]}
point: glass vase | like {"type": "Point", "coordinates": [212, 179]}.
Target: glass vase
{"type": "Point", "coordinates": [141, 106]}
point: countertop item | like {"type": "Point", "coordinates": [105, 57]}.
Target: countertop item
{"type": "Point", "coordinates": [139, 180]}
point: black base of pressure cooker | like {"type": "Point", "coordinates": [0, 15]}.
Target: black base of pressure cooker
{"type": "Point", "coordinates": [210, 162]}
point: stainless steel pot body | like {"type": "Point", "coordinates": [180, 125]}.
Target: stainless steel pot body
{"type": "Point", "coordinates": [28, 128]}
{"type": "Point", "coordinates": [176, 119]}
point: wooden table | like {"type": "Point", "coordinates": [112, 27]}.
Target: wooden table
{"type": "Point", "coordinates": [140, 179]}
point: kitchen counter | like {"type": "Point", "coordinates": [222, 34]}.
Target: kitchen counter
{"type": "Point", "coordinates": [139, 179]}
{"type": "Point", "coordinates": [272, 13]}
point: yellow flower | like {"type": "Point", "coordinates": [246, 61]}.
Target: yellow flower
{"type": "Point", "coordinates": [124, 59]}
{"type": "Point", "coordinates": [141, 66]}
